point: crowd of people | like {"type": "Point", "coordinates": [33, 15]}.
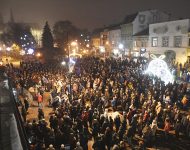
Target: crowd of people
{"type": "Point", "coordinates": [110, 102]}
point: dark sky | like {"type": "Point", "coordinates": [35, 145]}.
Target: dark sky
{"type": "Point", "coordinates": [87, 13]}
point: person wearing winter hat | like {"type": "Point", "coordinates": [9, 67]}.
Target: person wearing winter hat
{"type": "Point", "coordinates": [78, 147]}
{"type": "Point", "coordinates": [154, 128]}
{"type": "Point", "coordinates": [51, 147]}
{"type": "Point", "coordinates": [62, 147]}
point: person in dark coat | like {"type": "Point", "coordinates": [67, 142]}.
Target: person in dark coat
{"type": "Point", "coordinates": [99, 144]}
{"type": "Point", "coordinates": [24, 113]}
{"type": "Point", "coordinates": [117, 122]}
{"type": "Point", "coordinates": [40, 114]}
{"type": "Point", "coordinates": [108, 138]}
{"type": "Point", "coordinates": [26, 104]}
{"type": "Point", "coordinates": [177, 128]}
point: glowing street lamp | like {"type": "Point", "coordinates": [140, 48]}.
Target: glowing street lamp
{"type": "Point", "coordinates": [115, 51]}
{"type": "Point", "coordinates": [8, 48]}
{"type": "Point", "coordinates": [63, 63]}
{"type": "Point", "coordinates": [121, 46]}
{"type": "Point", "coordinates": [30, 51]}
{"type": "Point", "coordinates": [38, 54]}
{"type": "Point", "coordinates": [22, 52]}
{"type": "Point", "coordinates": [73, 43]}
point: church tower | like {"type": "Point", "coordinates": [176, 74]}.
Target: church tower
{"type": "Point", "coordinates": [11, 16]}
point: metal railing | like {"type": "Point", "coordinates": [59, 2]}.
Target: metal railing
{"type": "Point", "coordinates": [11, 113]}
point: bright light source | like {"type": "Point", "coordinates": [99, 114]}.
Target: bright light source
{"type": "Point", "coordinates": [73, 43]}
{"type": "Point", "coordinates": [71, 61]}
{"type": "Point", "coordinates": [107, 42]}
{"type": "Point", "coordinates": [120, 46]}
{"type": "Point", "coordinates": [8, 48]}
{"type": "Point", "coordinates": [22, 52]}
{"type": "Point", "coordinates": [81, 35]}
{"type": "Point", "coordinates": [0, 48]}
{"type": "Point", "coordinates": [159, 68]}
{"type": "Point", "coordinates": [63, 63]}
{"type": "Point", "coordinates": [102, 49]}
{"type": "Point", "coordinates": [30, 51]}
{"type": "Point", "coordinates": [87, 45]}
{"type": "Point", "coordinates": [38, 54]}
{"type": "Point", "coordinates": [115, 51]}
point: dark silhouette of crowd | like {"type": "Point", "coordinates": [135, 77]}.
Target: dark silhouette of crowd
{"type": "Point", "coordinates": [110, 103]}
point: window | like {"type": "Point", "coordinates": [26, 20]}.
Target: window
{"type": "Point", "coordinates": [165, 41]}
{"type": "Point", "coordinates": [135, 43]}
{"type": "Point", "coordinates": [143, 43]}
{"type": "Point", "coordinates": [177, 41]}
{"type": "Point", "coordinates": [154, 42]}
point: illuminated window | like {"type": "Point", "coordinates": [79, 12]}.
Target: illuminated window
{"type": "Point", "coordinates": [135, 43]}
{"type": "Point", "coordinates": [177, 41]}
{"type": "Point", "coordinates": [154, 42]}
{"type": "Point", "coordinates": [143, 43]}
{"type": "Point", "coordinates": [165, 41]}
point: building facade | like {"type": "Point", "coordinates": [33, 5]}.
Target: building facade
{"type": "Point", "coordinates": [136, 23]}
{"type": "Point", "coordinates": [170, 38]}
{"type": "Point", "coordinates": [140, 44]}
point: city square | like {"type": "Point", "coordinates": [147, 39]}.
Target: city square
{"type": "Point", "coordinates": [93, 83]}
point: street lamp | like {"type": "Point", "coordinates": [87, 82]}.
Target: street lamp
{"type": "Point", "coordinates": [8, 48]}
{"type": "Point", "coordinates": [63, 63]}
{"type": "Point", "coordinates": [120, 46]}
{"type": "Point", "coordinates": [38, 55]}
{"type": "Point", "coordinates": [74, 43]}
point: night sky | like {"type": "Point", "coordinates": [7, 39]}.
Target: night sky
{"type": "Point", "coordinates": [87, 13]}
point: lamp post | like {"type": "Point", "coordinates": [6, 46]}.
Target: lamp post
{"type": "Point", "coordinates": [121, 48]}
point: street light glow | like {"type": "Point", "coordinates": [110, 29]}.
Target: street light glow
{"type": "Point", "coordinates": [22, 52]}
{"type": "Point", "coordinates": [30, 51]}
{"type": "Point", "coordinates": [120, 46]}
{"type": "Point", "coordinates": [115, 51]}
{"type": "Point", "coordinates": [38, 54]}
{"type": "Point", "coordinates": [8, 48]}
{"type": "Point", "coordinates": [63, 63]}
{"type": "Point", "coordinates": [73, 43]}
